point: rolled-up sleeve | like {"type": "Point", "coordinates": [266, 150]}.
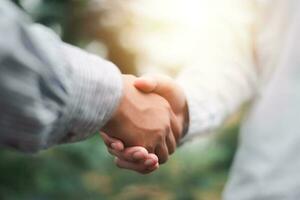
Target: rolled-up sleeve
{"type": "Point", "coordinates": [50, 92]}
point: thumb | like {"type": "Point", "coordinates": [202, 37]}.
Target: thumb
{"type": "Point", "coordinates": [163, 86]}
{"type": "Point", "coordinates": [146, 84]}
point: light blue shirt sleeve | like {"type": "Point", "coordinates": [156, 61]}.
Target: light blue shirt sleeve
{"type": "Point", "coordinates": [50, 92]}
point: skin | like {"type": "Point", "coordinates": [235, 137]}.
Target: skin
{"type": "Point", "coordinates": [143, 119]}
{"type": "Point", "coordinates": [137, 158]}
{"type": "Point", "coordinates": [133, 158]}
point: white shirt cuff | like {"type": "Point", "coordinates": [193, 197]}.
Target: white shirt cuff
{"type": "Point", "coordinates": [205, 112]}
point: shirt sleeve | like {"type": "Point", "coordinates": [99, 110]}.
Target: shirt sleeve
{"type": "Point", "coordinates": [225, 75]}
{"type": "Point", "coordinates": [50, 92]}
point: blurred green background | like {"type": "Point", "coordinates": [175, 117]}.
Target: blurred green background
{"type": "Point", "coordinates": [198, 170]}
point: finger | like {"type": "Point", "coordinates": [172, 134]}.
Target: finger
{"type": "Point", "coordinates": [111, 142]}
{"type": "Point", "coordinates": [151, 163]}
{"type": "Point", "coordinates": [163, 86]}
{"type": "Point", "coordinates": [115, 153]}
{"type": "Point", "coordinates": [155, 167]}
{"type": "Point", "coordinates": [135, 154]}
{"type": "Point", "coordinates": [176, 127]}
{"type": "Point", "coordinates": [131, 154]}
{"type": "Point", "coordinates": [138, 167]}
{"type": "Point", "coordinates": [106, 139]}
{"type": "Point", "coordinates": [170, 139]}
{"type": "Point", "coordinates": [151, 160]}
{"type": "Point", "coordinates": [152, 169]}
{"type": "Point", "coordinates": [171, 143]}
{"type": "Point", "coordinates": [149, 170]}
{"type": "Point", "coordinates": [145, 84]}
{"type": "Point", "coordinates": [162, 152]}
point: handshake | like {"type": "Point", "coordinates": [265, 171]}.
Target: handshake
{"type": "Point", "coordinates": [146, 127]}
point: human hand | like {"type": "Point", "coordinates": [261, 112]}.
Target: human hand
{"type": "Point", "coordinates": [145, 120]}
{"type": "Point", "coordinates": [168, 89]}
{"type": "Point", "coordinates": [133, 158]}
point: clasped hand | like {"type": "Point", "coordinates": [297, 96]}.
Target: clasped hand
{"type": "Point", "coordinates": [148, 124]}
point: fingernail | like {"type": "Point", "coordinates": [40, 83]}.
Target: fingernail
{"type": "Point", "coordinates": [149, 162]}
{"type": "Point", "coordinates": [138, 155]}
{"type": "Point", "coordinates": [154, 167]}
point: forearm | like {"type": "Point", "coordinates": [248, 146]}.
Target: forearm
{"type": "Point", "coordinates": [209, 107]}
{"type": "Point", "coordinates": [225, 76]}
{"type": "Point", "coordinates": [97, 89]}
{"type": "Point", "coordinates": [51, 93]}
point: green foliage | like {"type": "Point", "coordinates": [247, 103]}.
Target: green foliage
{"type": "Point", "coordinates": [85, 171]}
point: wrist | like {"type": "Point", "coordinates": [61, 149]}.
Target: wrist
{"type": "Point", "coordinates": [118, 114]}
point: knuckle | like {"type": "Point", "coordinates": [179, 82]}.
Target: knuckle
{"type": "Point", "coordinates": [159, 140]}
{"type": "Point", "coordinates": [158, 134]}
{"type": "Point", "coordinates": [167, 129]}
{"type": "Point", "coordinates": [150, 148]}
{"type": "Point", "coordinates": [161, 136]}
{"type": "Point", "coordinates": [162, 133]}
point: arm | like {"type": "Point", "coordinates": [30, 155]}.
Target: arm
{"type": "Point", "coordinates": [225, 76]}
{"type": "Point", "coordinates": [51, 92]}
{"type": "Point", "coordinates": [55, 93]}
